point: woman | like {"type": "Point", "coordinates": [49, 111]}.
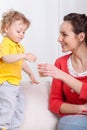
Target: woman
{"type": "Point", "coordinates": [68, 96]}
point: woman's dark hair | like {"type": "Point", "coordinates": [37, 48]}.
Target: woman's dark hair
{"type": "Point", "coordinates": [78, 22]}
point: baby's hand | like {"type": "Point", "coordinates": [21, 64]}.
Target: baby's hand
{"type": "Point", "coordinates": [30, 57]}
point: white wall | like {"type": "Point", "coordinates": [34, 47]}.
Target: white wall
{"type": "Point", "coordinates": [46, 17]}
{"type": "Point", "coordinates": [41, 37]}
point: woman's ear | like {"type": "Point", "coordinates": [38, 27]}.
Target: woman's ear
{"type": "Point", "coordinates": [82, 36]}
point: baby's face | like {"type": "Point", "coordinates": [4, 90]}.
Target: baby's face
{"type": "Point", "coordinates": [16, 31]}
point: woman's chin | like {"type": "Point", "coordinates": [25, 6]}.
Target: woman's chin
{"type": "Point", "coordinates": [63, 50]}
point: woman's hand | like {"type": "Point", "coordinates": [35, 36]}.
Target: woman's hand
{"type": "Point", "coordinates": [83, 109]}
{"type": "Point", "coordinates": [53, 71]}
{"type": "Point", "coordinates": [50, 70]}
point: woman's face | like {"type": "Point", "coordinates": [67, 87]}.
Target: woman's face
{"type": "Point", "coordinates": [68, 39]}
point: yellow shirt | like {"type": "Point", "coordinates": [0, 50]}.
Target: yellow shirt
{"type": "Point", "coordinates": [10, 72]}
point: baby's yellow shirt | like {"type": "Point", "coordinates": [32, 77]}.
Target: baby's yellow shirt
{"type": "Point", "coordinates": [10, 72]}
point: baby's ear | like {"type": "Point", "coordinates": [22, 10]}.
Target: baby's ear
{"type": "Point", "coordinates": [6, 29]}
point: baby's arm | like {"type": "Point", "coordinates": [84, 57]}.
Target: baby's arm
{"type": "Point", "coordinates": [27, 70]}
{"type": "Point", "coordinates": [16, 57]}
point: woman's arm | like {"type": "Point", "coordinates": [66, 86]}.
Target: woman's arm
{"type": "Point", "coordinates": [53, 71]}
{"type": "Point", "coordinates": [56, 101]}
{"type": "Point", "coordinates": [67, 108]}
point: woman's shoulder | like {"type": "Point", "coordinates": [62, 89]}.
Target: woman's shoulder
{"type": "Point", "coordinates": [66, 56]}
{"type": "Point", "coordinates": [63, 59]}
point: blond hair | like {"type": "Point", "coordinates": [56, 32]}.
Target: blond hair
{"type": "Point", "coordinates": [11, 16]}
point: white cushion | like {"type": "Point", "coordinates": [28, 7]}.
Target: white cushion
{"type": "Point", "coordinates": [37, 115]}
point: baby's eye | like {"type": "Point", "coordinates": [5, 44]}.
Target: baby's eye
{"type": "Point", "coordinates": [23, 32]}
{"type": "Point", "coordinates": [18, 31]}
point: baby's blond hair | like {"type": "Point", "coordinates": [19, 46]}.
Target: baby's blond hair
{"type": "Point", "coordinates": [11, 16]}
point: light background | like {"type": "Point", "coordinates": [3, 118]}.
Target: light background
{"type": "Point", "coordinates": [46, 17]}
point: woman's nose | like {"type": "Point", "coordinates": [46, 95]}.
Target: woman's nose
{"type": "Point", "coordinates": [59, 38]}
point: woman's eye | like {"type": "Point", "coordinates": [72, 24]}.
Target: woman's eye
{"type": "Point", "coordinates": [64, 34]}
